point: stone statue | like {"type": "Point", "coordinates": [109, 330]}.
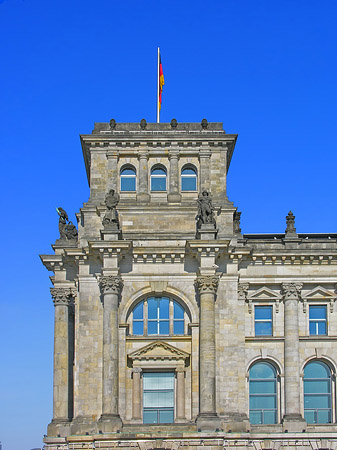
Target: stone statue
{"type": "Point", "coordinates": [205, 209]}
{"type": "Point", "coordinates": [236, 222]}
{"type": "Point", "coordinates": [110, 219]}
{"type": "Point", "coordinates": [67, 229]}
{"type": "Point", "coordinates": [290, 220]}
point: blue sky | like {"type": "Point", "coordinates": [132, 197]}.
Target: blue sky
{"type": "Point", "coordinates": [266, 69]}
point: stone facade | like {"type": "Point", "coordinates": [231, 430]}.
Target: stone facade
{"type": "Point", "coordinates": [206, 285]}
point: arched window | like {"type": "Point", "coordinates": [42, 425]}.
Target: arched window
{"type": "Point", "coordinates": [128, 179]}
{"type": "Point", "coordinates": [188, 179]}
{"type": "Point", "coordinates": [262, 394]}
{"type": "Point", "coordinates": [317, 393]}
{"type": "Point", "coordinates": [158, 316]}
{"type": "Point", "coordinates": [158, 179]}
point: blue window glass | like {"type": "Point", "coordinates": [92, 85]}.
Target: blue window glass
{"type": "Point", "coordinates": [317, 393]}
{"type": "Point", "coordinates": [158, 397]}
{"type": "Point", "coordinates": [158, 179]}
{"type": "Point", "coordinates": [262, 394]}
{"type": "Point", "coordinates": [128, 180]}
{"type": "Point", "coordinates": [188, 179]}
{"type": "Point", "coordinates": [164, 316]}
{"type": "Point", "coordinates": [317, 320]}
{"type": "Point", "coordinates": [263, 320]}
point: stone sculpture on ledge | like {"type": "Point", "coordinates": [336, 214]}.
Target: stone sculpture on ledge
{"type": "Point", "coordinates": [110, 220]}
{"type": "Point", "coordinates": [205, 209]}
{"type": "Point", "coordinates": [67, 229]}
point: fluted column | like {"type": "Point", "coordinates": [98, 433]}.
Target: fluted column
{"type": "Point", "coordinates": [180, 372]}
{"type": "Point", "coordinates": [136, 393]}
{"type": "Point", "coordinates": [143, 178]}
{"type": "Point", "coordinates": [207, 286]}
{"type": "Point", "coordinates": [62, 298]}
{"type": "Point", "coordinates": [173, 195]}
{"type": "Point", "coordinates": [291, 295]}
{"type": "Point", "coordinates": [111, 287]}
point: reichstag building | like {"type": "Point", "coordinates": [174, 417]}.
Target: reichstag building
{"type": "Point", "coordinates": [173, 330]}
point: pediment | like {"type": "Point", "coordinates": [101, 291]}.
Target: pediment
{"type": "Point", "coordinates": [319, 293]}
{"type": "Point", "coordinates": [264, 293]}
{"type": "Point", "coordinates": [158, 350]}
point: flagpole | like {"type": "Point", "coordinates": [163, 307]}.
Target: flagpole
{"type": "Point", "coordinates": [158, 87]}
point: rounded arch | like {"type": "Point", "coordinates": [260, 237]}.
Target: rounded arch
{"type": "Point", "coordinates": [128, 177]}
{"type": "Point", "coordinates": [128, 304]}
{"type": "Point", "coordinates": [189, 177]}
{"type": "Point", "coordinates": [269, 359]}
{"type": "Point", "coordinates": [324, 359]}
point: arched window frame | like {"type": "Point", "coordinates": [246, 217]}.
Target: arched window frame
{"type": "Point", "coordinates": [154, 177]}
{"type": "Point", "coordinates": [173, 321]}
{"type": "Point", "coordinates": [129, 176]}
{"type": "Point", "coordinates": [182, 176]}
{"type": "Point", "coordinates": [331, 394]}
{"type": "Point", "coordinates": [275, 394]}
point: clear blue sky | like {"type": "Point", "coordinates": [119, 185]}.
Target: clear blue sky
{"type": "Point", "coordinates": [266, 69]}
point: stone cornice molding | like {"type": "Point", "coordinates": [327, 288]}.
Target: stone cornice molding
{"type": "Point", "coordinates": [110, 284]}
{"type": "Point", "coordinates": [207, 284]}
{"type": "Point", "coordinates": [63, 296]}
{"type": "Point", "coordinates": [291, 291]}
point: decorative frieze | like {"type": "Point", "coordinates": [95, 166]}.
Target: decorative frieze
{"type": "Point", "coordinates": [110, 284]}
{"type": "Point", "coordinates": [207, 284]}
{"type": "Point", "coordinates": [62, 296]}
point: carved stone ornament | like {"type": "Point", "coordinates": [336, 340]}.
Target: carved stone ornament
{"type": "Point", "coordinates": [243, 290]}
{"type": "Point", "coordinates": [112, 124]}
{"type": "Point", "coordinates": [143, 124]}
{"type": "Point", "coordinates": [290, 220]}
{"type": "Point", "coordinates": [110, 219]}
{"type": "Point", "coordinates": [205, 213]}
{"type": "Point", "coordinates": [67, 229]}
{"type": "Point", "coordinates": [291, 290]}
{"type": "Point", "coordinates": [236, 223]}
{"type": "Point", "coordinates": [110, 284]}
{"type": "Point", "coordinates": [207, 284]}
{"type": "Point", "coordinates": [174, 124]}
{"type": "Point", "coordinates": [204, 124]}
{"type": "Point", "coordinates": [62, 296]}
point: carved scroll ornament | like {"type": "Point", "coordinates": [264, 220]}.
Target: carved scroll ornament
{"type": "Point", "coordinates": [62, 296]}
{"type": "Point", "coordinates": [291, 290]}
{"type": "Point", "coordinates": [207, 284]}
{"type": "Point", "coordinates": [110, 284]}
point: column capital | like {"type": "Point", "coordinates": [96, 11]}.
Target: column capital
{"type": "Point", "coordinates": [62, 296]}
{"type": "Point", "coordinates": [291, 291]}
{"type": "Point", "coordinates": [143, 154]}
{"type": "Point", "coordinates": [180, 369]}
{"type": "Point", "coordinates": [174, 153]}
{"type": "Point", "coordinates": [207, 284]}
{"type": "Point", "coordinates": [110, 284]}
{"type": "Point", "coordinates": [137, 370]}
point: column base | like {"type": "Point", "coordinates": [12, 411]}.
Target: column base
{"type": "Point", "coordinates": [208, 422]}
{"type": "Point", "coordinates": [83, 425]}
{"type": "Point", "coordinates": [109, 423]}
{"type": "Point", "coordinates": [293, 423]}
{"type": "Point", "coordinates": [58, 428]}
{"type": "Point", "coordinates": [235, 422]}
{"type": "Point", "coordinates": [174, 198]}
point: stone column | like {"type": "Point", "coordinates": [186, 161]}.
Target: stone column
{"type": "Point", "coordinates": [204, 158]}
{"type": "Point", "coordinates": [292, 420]}
{"type": "Point", "coordinates": [143, 177]}
{"type": "Point", "coordinates": [62, 298]}
{"type": "Point", "coordinates": [207, 286]}
{"type": "Point", "coordinates": [112, 156]}
{"type": "Point", "coordinates": [111, 287]}
{"type": "Point", "coordinates": [180, 395]}
{"type": "Point", "coordinates": [173, 195]}
{"type": "Point", "coordinates": [136, 393]}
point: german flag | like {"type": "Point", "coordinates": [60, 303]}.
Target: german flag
{"type": "Point", "coordinates": [161, 81]}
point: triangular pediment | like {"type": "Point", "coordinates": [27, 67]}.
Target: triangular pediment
{"type": "Point", "coordinates": [319, 293]}
{"type": "Point", "coordinates": [158, 350]}
{"type": "Point", "coordinates": [264, 293]}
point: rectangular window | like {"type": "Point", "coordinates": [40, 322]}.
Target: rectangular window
{"type": "Point", "coordinates": [317, 320]}
{"type": "Point", "coordinates": [263, 320]}
{"type": "Point", "coordinates": [158, 397]}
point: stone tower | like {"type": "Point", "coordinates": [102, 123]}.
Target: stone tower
{"type": "Point", "coordinates": [171, 327]}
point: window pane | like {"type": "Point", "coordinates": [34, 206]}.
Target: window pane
{"type": "Point", "coordinates": [150, 416]}
{"type": "Point", "coordinates": [316, 386]}
{"type": "Point", "coordinates": [158, 184]}
{"type": "Point", "coordinates": [312, 328]}
{"type": "Point", "coordinates": [178, 311]}
{"type": "Point", "coordinates": [138, 311]}
{"type": "Point", "coordinates": [152, 327]}
{"type": "Point", "coordinates": [158, 380]}
{"type": "Point", "coordinates": [316, 370]}
{"type": "Point", "coordinates": [321, 327]}
{"type": "Point", "coordinates": [269, 417]}
{"type": "Point", "coordinates": [255, 417]}
{"type": "Point", "coordinates": [263, 312]}
{"type": "Point", "coordinates": [188, 184]}
{"type": "Point", "coordinates": [263, 329]}
{"type": "Point", "coordinates": [164, 327]}
{"type": "Point", "coordinates": [262, 387]}
{"type": "Point", "coordinates": [138, 328]}
{"type": "Point", "coordinates": [128, 184]}
{"type": "Point", "coordinates": [262, 402]}
{"type": "Point", "coordinates": [316, 401]}
{"type": "Point", "coordinates": [178, 327]}
{"type": "Point", "coordinates": [158, 399]}
{"type": "Point", "coordinates": [158, 171]}
{"type": "Point", "coordinates": [262, 370]}
{"type": "Point", "coordinates": [164, 308]}
{"type": "Point", "coordinates": [324, 416]}
{"type": "Point", "coordinates": [317, 312]}
{"type": "Point", "coordinates": [166, 416]}
{"type": "Point", "coordinates": [152, 307]}
{"type": "Point", "coordinates": [309, 416]}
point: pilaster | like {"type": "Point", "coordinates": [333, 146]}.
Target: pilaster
{"type": "Point", "coordinates": [173, 195]}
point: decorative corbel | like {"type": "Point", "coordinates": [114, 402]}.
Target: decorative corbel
{"type": "Point", "coordinates": [242, 293]}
